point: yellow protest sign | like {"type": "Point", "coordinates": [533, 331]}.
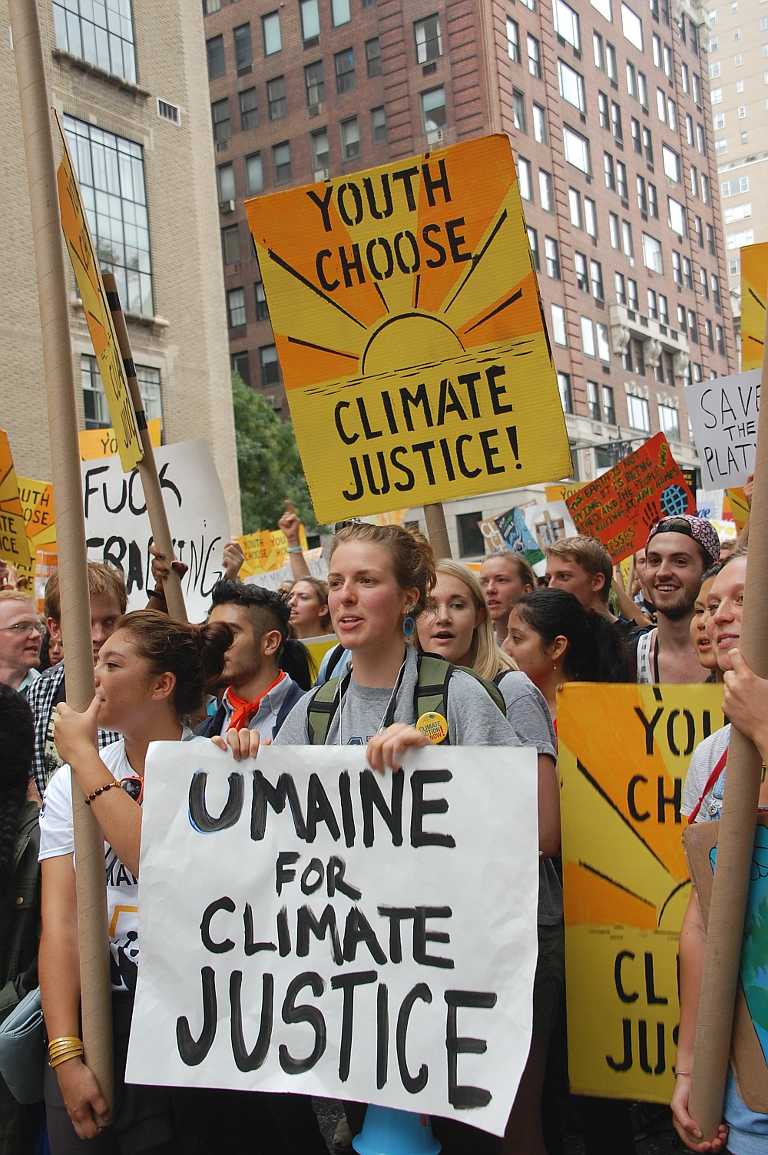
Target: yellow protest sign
{"type": "Point", "coordinates": [560, 492]}
{"type": "Point", "coordinates": [103, 442]}
{"type": "Point", "coordinates": [754, 279]}
{"type": "Point", "coordinates": [40, 520]}
{"type": "Point", "coordinates": [624, 754]}
{"type": "Point", "coordinates": [97, 313]}
{"type": "Point", "coordinates": [408, 323]}
{"type": "Point", "coordinates": [738, 505]}
{"type": "Point", "coordinates": [14, 544]}
{"type": "Point", "coordinates": [265, 551]}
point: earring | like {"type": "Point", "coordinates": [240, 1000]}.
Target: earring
{"type": "Point", "coordinates": [409, 626]}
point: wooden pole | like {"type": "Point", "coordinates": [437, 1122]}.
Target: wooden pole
{"type": "Point", "coordinates": [147, 467]}
{"type": "Point", "coordinates": [725, 927]}
{"type": "Point", "coordinates": [95, 999]}
{"type": "Point", "coordinates": [437, 530]}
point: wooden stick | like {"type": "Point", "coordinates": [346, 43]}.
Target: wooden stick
{"type": "Point", "coordinates": [725, 928]}
{"type": "Point", "coordinates": [147, 467]}
{"type": "Point", "coordinates": [95, 996]}
{"type": "Point", "coordinates": [437, 530]}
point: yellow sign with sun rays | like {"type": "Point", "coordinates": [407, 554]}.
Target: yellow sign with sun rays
{"type": "Point", "coordinates": [624, 755]}
{"type": "Point", "coordinates": [409, 328]}
{"type": "Point", "coordinates": [754, 279]}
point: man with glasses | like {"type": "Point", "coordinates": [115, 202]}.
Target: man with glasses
{"type": "Point", "coordinates": [20, 637]}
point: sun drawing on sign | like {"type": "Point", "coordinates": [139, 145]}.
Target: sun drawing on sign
{"type": "Point", "coordinates": [754, 275]}
{"type": "Point", "coordinates": [397, 280]}
{"type": "Point", "coordinates": [621, 864]}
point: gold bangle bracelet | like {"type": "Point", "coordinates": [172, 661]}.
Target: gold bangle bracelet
{"type": "Point", "coordinates": [75, 1053]}
{"type": "Point", "coordinates": [64, 1041]}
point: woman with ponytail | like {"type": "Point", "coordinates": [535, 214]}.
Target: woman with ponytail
{"type": "Point", "coordinates": [19, 879]}
{"type": "Point", "coordinates": [150, 679]}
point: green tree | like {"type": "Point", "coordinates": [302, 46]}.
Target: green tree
{"type": "Point", "coordinates": [268, 462]}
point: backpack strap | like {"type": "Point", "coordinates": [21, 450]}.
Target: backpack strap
{"type": "Point", "coordinates": [321, 711]}
{"type": "Point", "coordinates": [291, 698]}
{"type": "Point", "coordinates": [719, 767]}
{"type": "Point", "coordinates": [431, 694]}
{"type": "Point", "coordinates": [333, 660]}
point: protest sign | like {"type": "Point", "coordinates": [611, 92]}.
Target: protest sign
{"type": "Point", "coordinates": [408, 322]}
{"type": "Point", "coordinates": [709, 503]}
{"type": "Point", "coordinates": [117, 524]}
{"type": "Point", "coordinates": [620, 507]}
{"type": "Point", "coordinates": [517, 535]}
{"type": "Point", "coordinates": [274, 579]}
{"type": "Point", "coordinates": [738, 506]}
{"type": "Point", "coordinates": [376, 942]}
{"type": "Point", "coordinates": [14, 544]}
{"type": "Point", "coordinates": [40, 520]}
{"type": "Point", "coordinates": [624, 754]}
{"type": "Point", "coordinates": [754, 279]}
{"type": "Point", "coordinates": [93, 295]}
{"type": "Point", "coordinates": [265, 550]}
{"type": "Point", "coordinates": [723, 415]}
{"type": "Point", "coordinates": [103, 442]}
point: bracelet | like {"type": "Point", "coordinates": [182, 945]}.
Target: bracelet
{"type": "Point", "coordinates": [295, 549]}
{"type": "Point", "coordinates": [64, 1048]}
{"type": "Point", "coordinates": [684, 1074]}
{"type": "Point", "coordinates": [73, 1053]}
{"type": "Point", "coordinates": [101, 790]}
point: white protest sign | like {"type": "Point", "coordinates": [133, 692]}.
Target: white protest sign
{"type": "Point", "coordinates": [312, 927]}
{"type": "Point", "coordinates": [724, 415]}
{"type": "Point", "coordinates": [549, 523]}
{"type": "Point", "coordinates": [118, 531]}
{"type": "Point", "coordinates": [318, 567]}
{"type": "Point", "coordinates": [709, 503]}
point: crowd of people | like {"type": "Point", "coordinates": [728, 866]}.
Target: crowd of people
{"type": "Point", "coordinates": [496, 645]}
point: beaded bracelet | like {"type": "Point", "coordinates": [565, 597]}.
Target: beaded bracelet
{"type": "Point", "coordinates": [100, 790]}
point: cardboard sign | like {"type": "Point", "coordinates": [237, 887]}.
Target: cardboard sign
{"type": "Point", "coordinates": [754, 279]}
{"type": "Point", "coordinates": [40, 520]}
{"type": "Point", "coordinates": [94, 298]}
{"type": "Point", "coordinates": [117, 526]}
{"type": "Point", "coordinates": [103, 442]}
{"type": "Point", "coordinates": [408, 322]}
{"type": "Point", "coordinates": [738, 507]}
{"type": "Point", "coordinates": [724, 415]}
{"type": "Point", "coordinates": [624, 755]}
{"type": "Point", "coordinates": [274, 579]}
{"type": "Point", "coordinates": [14, 543]}
{"type": "Point", "coordinates": [368, 946]}
{"type": "Point", "coordinates": [750, 1028]}
{"type": "Point", "coordinates": [266, 550]}
{"type": "Point", "coordinates": [621, 506]}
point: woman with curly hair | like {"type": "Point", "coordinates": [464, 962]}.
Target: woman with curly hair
{"type": "Point", "coordinates": [19, 895]}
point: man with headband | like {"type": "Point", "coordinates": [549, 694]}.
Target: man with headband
{"type": "Point", "coordinates": [678, 552]}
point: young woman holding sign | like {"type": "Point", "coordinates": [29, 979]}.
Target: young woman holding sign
{"type": "Point", "coordinates": [379, 583]}
{"type": "Point", "coordinates": [150, 675]}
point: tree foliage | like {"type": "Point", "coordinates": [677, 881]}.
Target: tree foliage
{"type": "Point", "coordinates": [268, 462]}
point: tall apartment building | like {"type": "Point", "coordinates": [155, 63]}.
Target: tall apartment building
{"type": "Point", "coordinates": [607, 107]}
{"type": "Point", "coordinates": [738, 70]}
{"type": "Point", "coordinates": [127, 77]}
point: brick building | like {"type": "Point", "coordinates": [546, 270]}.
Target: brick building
{"type": "Point", "coordinates": [127, 79]}
{"type": "Point", "coordinates": [607, 106]}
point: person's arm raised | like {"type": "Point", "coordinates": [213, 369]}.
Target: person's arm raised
{"type": "Point", "coordinates": [290, 524]}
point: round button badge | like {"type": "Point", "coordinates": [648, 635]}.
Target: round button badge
{"type": "Point", "coordinates": [434, 726]}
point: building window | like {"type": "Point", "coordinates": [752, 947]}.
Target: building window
{"type": "Point", "coordinates": [671, 161]}
{"type": "Point", "coordinates": [270, 30]}
{"type": "Point", "coordinates": [567, 24]}
{"type": "Point", "coordinates": [552, 258]}
{"type": "Point", "coordinates": [314, 83]}
{"type": "Point", "coordinates": [518, 110]}
{"type": "Point", "coordinates": [270, 367]}
{"type": "Point", "coordinates": [379, 124]}
{"type": "Point", "coordinates": [632, 27]}
{"type": "Point", "coordinates": [433, 114]}
{"type": "Point", "coordinates": [632, 297]}
{"type": "Point", "coordinates": [310, 22]}
{"type": "Point", "coordinates": [429, 41]}
{"type": "Point", "coordinates": [609, 409]}
{"type": "Point", "coordinates": [603, 7]}
{"type": "Point", "coordinates": [676, 217]}
{"type": "Point", "coordinates": [101, 34]}
{"type": "Point", "coordinates": [471, 540]}
{"type": "Point", "coordinates": [593, 400]}
{"type": "Point", "coordinates": [559, 334]}
{"type": "Point", "coordinates": [215, 50]}
{"type": "Point", "coordinates": [564, 386]}
{"type": "Point", "coordinates": [582, 274]}
{"type": "Point", "coordinates": [373, 57]}
{"type": "Point", "coordinates": [222, 126]}
{"type": "Point", "coordinates": [211, 6]}
{"type": "Point", "coordinates": [513, 40]}
{"type": "Point", "coordinates": [620, 288]}
{"type": "Point", "coordinates": [110, 170]}
{"type": "Point", "coordinates": [241, 364]}
{"type": "Point", "coordinates": [590, 217]}
{"type": "Point", "coordinates": [596, 280]}
{"type": "Point", "coordinates": [603, 348]}
{"type": "Point", "coordinates": [524, 177]}
{"type": "Point", "coordinates": [634, 358]}
{"type": "Point", "coordinates": [340, 13]}
{"type": "Point", "coordinates": [254, 174]}
{"type": "Point", "coordinates": [571, 85]}
{"type": "Point", "coordinates": [95, 408]}
{"type": "Point", "coordinates": [230, 244]}
{"type": "Point", "coordinates": [281, 160]}
{"type": "Point", "coordinates": [243, 50]}
{"type": "Point", "coordinates": [249, 113]}
{"type": "Point", "coordinates": [277, 102]}
{"type": "Point", "coordinates": [225, 180]}
{"type": "Point", "coordinates": [587, 336]}
{"type": "Point", "coordinates": [321, 153]}
{"type": "Point", "coordinates": [575, 208]}
{"type": "Point", "coordinates": [344, 63]}
{"type": "Point", "coordinates": [262, 312]}
{"type": "Point", "coordinates": [638, 413]}
{"type": "Point", "coordinates": [534, 56]}
{"type": "Point", "coordinates": [350, 139]}
{"type": "Point", "coordinates": [540, 134]}
{"type": "Point", "coordinates": [669, 421]}
{"type": "Point", "coordinates": [546, 195]}
{"type": "Point", "coordinates": [236, 308]}
{"type": "Point", "coordinates": [533, 244]}
{"type": "Point", "coordinates": [627, 244]}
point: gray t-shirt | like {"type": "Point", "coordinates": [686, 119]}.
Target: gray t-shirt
{"type": "Point", "coordinates": [473, 720]}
